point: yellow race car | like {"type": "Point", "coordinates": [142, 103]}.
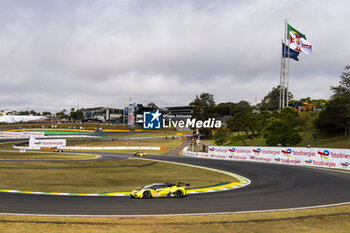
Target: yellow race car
{"type": "Point", "coordinates": [160, 190]}
{"type": "Point", "coordinates": [57, 150]}
{"type": "Point", "coordinates": [138, 153]}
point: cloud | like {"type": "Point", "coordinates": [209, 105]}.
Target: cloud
{"type": "Point", "coordinates": [166, 52]}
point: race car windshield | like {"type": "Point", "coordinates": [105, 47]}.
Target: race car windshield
{"type": "Point", "coordinates": [147, 186]}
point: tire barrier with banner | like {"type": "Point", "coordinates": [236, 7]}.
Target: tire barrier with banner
{"type": "Point", "coordinates": [314, 157]}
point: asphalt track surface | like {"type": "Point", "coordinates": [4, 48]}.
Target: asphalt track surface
{"type": "Point", "coordinates": [273, 187]}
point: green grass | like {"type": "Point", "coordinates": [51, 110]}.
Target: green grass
{"type": "Point", "coordinates": [100, 176]}
{"type": "Point", "coordinates": [282, 221]}
{"type": "Point", "coordinates": [53, 132]}
{"type": "Point", "coordinates": [323, 140]}
{"type": "Point", "coordinates": [334, 142]}
{"type": "Point", "coordinates": [9, 145]}
{"type": "Point", "coordinates": [15, 155]}
{"type": "Point", "coordinates": [137, 134]}
{"type": "Point", "coordinates": [169, 144]}
{"type": "Point", "coordinates": [88, 126]}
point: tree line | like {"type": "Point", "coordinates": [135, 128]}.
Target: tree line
{"type": "Point", "coordinates": [74, 114]}
{"type": "Point", "coordinates": [278, 128]}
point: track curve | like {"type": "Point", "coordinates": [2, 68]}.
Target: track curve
{"type": "Point", "coordinates": [273, 187]}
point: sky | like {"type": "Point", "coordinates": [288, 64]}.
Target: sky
{"type": "Point", "coordinates": [63, 54]}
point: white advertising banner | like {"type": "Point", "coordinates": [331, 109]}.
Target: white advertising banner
{"type": "Point", "coordinates": [318, 157]}
{"type": "Point", "coordinates": [35, 134]}
{"type": "Point", "coordinates": [111, 148]}
{"type": "Point", "coordinates": [46, 143]}
{"type": "Point", "coordinates": [22, 134]}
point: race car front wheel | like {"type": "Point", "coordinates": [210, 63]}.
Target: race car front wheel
{"type": "Point", "coordinates": [178, 194]}
{"type": "Point", "coordinates": [146, 195]}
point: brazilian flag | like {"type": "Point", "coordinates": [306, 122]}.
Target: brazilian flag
{"type": "Point", "coordinates": [299, 34]}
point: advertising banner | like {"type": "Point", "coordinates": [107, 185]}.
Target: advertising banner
{"type": "Point", "coordinates": [113, 148]}
{"type": "Point", "coordinates": [131, 115]}
{"type": "Point", "coordinates": [46, 143]}
{"type": "Point", "coordinates": [317, 157]}
{"type": "Point", "coordinates": [35, 134]}
{"type": "Point", "coordinates": [22, 134]}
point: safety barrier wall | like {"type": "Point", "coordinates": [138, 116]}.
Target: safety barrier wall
{"type": "Point", "coordinates": [20, 134]}
{"type": "Point", "coordinates": [316, 157]}
{"type": "Point", "coordinates": [55, 129]}
{"type": "Point", "coordinates": [100, 148]}
{"type": "Point", "coordinates": [113, 148]}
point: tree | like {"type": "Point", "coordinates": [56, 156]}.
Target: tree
{"type": "Point", "coordinates": [221, 136]}
{"type": "Point", "coordinates": [262, 120]}
{"type": "Point", "coordinates": [203, 107]}
{"type": "Point", "coordinates": [62, 114]}
{"type": "Point", "coordinates": [307, 100]}
{"type": "Point", "coordinates": [272, 100]}
{"type": "Point", "coordinates": [280, 129]}
{"type": "Point", "coordinates": [225, 109]}
{"type": "Point", "coordinates": [280, 133]}
{"type": "Point", "coordinates": [343, 89]}
{"type": "Point", "coordinates": [76, 115]}
{"type": "Point", "coordinates": [290, 115]}
{"type": "Point", "coordinates": [243, 118]}
{"type": "Point", "coordinates": [25, 113]}
{"type": "Point", "coordinates": [153, 106]}
{"type": "Point", "coordinates": [336, 117]}
{"type": "Point", "coordinates": [46, 113]}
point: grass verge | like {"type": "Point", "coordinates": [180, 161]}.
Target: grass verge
{"type": "Point", "coordinates": [15, 155]}
{"type": "Point", "coordinates": [169, 144]}
{"type": "Point", "coordinates": [100, 176]}
{"type": "Point", "coordinates": [332, 219]}
{"type": "Point", "coordinates": [141, 134]}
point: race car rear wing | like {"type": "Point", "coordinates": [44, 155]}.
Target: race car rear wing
{"type": "Point", "coordinates": [182, 184]}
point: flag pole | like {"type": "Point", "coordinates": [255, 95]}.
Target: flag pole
{"type": "Point", "coordinates": [287, 71]}
{"type": "Point", "coordinates": [284, 68]}
{"type": "Point", "coordinates": [281, 77]}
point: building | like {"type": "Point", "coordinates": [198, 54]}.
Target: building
{"type": "Point", "coordinates": [103, 114]}
{"type": "Point", "coordinates": [178, 112]}
{"type": "Point", "coordinates": [140, 109]}
{"type": "Point", "coordinates": [175, 112]}
{"type": "Point", "coordinates": [114, 115]}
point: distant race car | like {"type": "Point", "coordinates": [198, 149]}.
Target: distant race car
{"type": "Point", "coordinates": [57, 150]}
{"type": "Point", "coordinates": [160, 190]}
{"type": "Point", "coordinates": [138, 153]}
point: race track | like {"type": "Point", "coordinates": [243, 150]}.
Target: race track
{"type": "Point", "coordinates": [273, 187]}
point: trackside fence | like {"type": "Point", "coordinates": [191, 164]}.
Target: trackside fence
{"type": "Point", "coordinates": [314, 157]}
